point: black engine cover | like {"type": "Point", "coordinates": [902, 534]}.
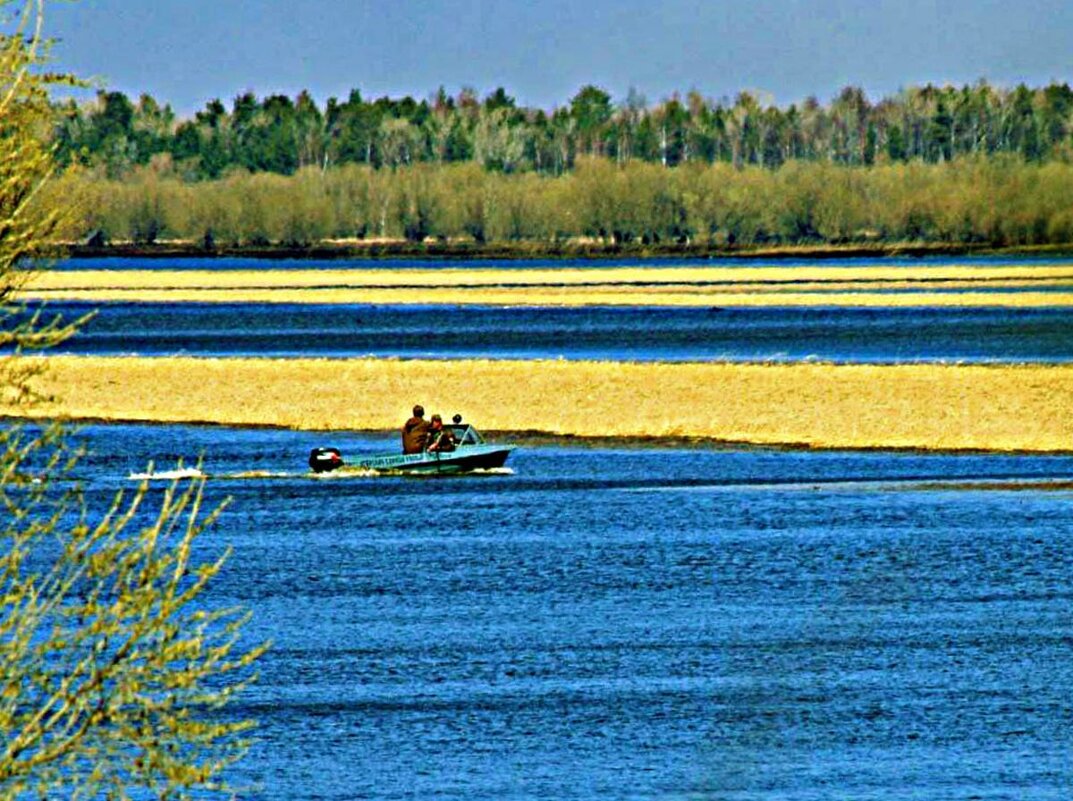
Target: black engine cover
{"type": "Point", "coordinates": [324, 460]}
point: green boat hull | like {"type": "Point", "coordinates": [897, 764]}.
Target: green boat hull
{"type": "Point", "coordinates": [464, 459]}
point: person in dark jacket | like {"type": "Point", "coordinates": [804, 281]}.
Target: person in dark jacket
{"type": "Point", "coordinates": [415, 432]}
{"type": "Point", "coordinates": [441, 440]}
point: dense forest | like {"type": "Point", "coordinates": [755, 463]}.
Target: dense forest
{"type": "Point", "coordinates": [281, 135]}
{"type": "Point", "coordinates": [971, 166]}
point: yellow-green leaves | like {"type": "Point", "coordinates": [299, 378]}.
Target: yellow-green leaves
{"type": "Point", "coordinates": [115, 665]}
{"type": "Point", "coordinates": [112, 669]}
{"type": "Point", "coordinates": [994, 200]}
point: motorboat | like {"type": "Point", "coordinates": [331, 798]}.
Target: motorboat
{"type": "Point", "coordinates": [471, 453]}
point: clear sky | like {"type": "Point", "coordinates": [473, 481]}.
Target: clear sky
{"type": "Point", "coordinates": [188, 51]}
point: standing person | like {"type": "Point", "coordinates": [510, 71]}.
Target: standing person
{"type": "Point", "coordinates": [415, 432]}
{"type": "Point", "coordinates": [441, 440]}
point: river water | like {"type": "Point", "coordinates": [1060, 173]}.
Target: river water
{"type": "Point", "coordinates": [641, 334]}
{"type": "Point", "coordinates": [633, 623]}
{"type": "Point", "coordinates": [874, 335]}
{"type": "Point", "coordinates": [642, 623]}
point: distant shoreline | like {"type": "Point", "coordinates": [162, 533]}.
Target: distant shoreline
{"type": "Point", "coordinates": [387, 250]}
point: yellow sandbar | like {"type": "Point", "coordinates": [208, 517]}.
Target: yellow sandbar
{"type": "Point", "coordinates": [1027, 408]}
{"type": "Point", "coordinates": [560, 296]}
{"type": "Point", "coordinates": [425, 277]}
{"type": "Point", "coordinates": [1011, 285]}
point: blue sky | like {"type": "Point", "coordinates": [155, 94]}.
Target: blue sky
{"type": "Point", "coordinates": [188, 51]}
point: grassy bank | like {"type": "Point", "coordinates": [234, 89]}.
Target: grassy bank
{"type": "Point", "coordinates": [1006, 408]}
{"type": "Point", "coordinates": [933, 285]}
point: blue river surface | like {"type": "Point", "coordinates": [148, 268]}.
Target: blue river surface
{"type": "Point", "coordinates": [641, 623]}
{"type": "Point", "coordinates": [647, 333]}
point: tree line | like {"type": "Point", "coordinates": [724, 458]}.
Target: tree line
{"type": "Point", "coordinates": [998, 201]}
{"type": "Point", "coordinates": [280, 134]}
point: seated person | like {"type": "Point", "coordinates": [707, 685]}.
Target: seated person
{"type": "Point", "coordinates": [415, 434]}
{"type": "Point", "coordinates": [464, 433]}
{"type": "Point", "coordinates": [460, 431]}
{"type": "Point", "coordinates": [440, 439]}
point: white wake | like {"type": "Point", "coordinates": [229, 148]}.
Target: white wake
{"type": "Point", "coordinates": [168, 475]}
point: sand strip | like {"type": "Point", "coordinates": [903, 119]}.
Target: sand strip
{"type": "Point", "coordinates": [927, 406]}
{"type": "Point", "coordinates": [864, 286]}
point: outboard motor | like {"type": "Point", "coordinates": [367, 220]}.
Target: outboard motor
{"type": "Point", "coordinates": [324, 460]}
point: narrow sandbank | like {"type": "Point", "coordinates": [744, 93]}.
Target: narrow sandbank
{"type": "Point", "coordinates": [920, 406]}
{"type": "Point", "coordinates": [873, 286]}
